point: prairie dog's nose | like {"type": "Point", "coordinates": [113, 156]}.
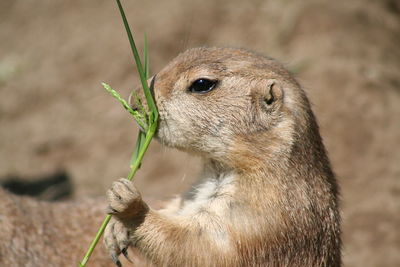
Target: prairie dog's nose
{"type": "Point", "coordinates": [139, 93]}
{"type": "Point", "coordinates": [135, 96]}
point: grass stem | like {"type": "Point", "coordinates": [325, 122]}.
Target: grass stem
{"type": "Point", "coordinates": [146, 120]}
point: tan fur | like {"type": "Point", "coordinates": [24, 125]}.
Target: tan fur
{"type": "Point", "coordinates": [267, 196]}
{"type": "Point", "coordinates": [35, 233]}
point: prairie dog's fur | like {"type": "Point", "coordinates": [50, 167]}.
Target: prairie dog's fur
{"type": "Point", "coordinates": [267, 195]}
{"type": "Point", "coordinates": [37, 233]}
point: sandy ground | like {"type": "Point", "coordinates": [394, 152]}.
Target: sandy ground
{"type": "Point", "coordinates": [55, 117]}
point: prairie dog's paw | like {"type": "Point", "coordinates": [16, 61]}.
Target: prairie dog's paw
{"type": "Point", "coordinates": [116, 240]}
{"type": "Point", "coordinates": [125, 201]}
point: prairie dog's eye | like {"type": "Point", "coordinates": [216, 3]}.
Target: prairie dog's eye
{"type": "Point", "coordinates": [202, 85]}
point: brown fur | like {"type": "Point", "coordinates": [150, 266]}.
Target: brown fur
{"type": "Point", "coordinates": [268, 196]}
{"type": "Point", "coordinates": [35, 233]}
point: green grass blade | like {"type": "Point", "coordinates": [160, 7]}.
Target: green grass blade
{"type": "Point", "coordinates": [95, 241]}
{"type": "Point", "coordinates": [147, 121]}
{"type": "Point", "coordinates": [138, 146]}
{"type": "Point", "coordinates": [140, 119]}
{"type": "Point", "coordinates": [149, 97]}
{"type": "Point", "coordinates": [146, 58]}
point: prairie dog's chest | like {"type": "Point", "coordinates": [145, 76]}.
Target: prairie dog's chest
{"type": "Point", "coordinates": [212, 196]}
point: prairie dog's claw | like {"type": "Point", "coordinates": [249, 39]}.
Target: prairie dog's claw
{"type": "Point", "coordinates": [115, 259]}
{"type": "Point", "coordinates": [125, 253]}
{"type": "Point", "coordinates": [116, 240]}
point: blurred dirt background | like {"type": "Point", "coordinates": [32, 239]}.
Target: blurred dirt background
{"type": "Point", "coordinates": [56, 120]}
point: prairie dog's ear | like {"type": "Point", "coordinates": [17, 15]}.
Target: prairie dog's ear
{"type": "Point", "coordinates": [274, 93]}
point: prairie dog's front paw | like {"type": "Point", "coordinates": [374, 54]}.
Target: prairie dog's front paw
{"type": "Point", "coordinates": [116, 240]}
{"type": "Point", "coordinates": [125, 201]}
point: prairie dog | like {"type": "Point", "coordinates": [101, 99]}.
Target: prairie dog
{"type": "Point", "coordinates": [267, 195]}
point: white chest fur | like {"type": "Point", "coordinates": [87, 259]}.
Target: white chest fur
{"type": "Point", "coordinates": [212, 196]}
{"type": "Point", "coordinates": [210, 208]}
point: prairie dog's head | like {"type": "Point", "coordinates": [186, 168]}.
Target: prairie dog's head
{"type": "Point", "coordinates": [223, 102]}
